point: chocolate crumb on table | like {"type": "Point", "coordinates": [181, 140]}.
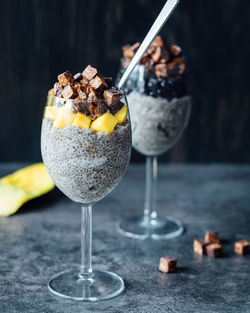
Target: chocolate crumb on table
{"type": "Point", "coordinates": [214, 250]}
{"type": "Point", "coordinates": [167, 264]}
{"type": "Point", "coordinates": [200, 246]}
{"type": "Point", "coordinates": [212, 237]}
{"type": "Point", "coordinates": [242, 247]}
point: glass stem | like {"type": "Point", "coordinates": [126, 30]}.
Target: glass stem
{"type": "Point", "coordinates": [151, 188]}
{"type": "Point", "coordinates": [86, 242]}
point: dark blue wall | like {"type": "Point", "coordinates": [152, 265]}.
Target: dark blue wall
{"type": "Point", "coordinates": [41, 38]}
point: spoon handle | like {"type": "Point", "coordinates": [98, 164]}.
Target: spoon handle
{"type": "Point", "coordinates": [154, 30]}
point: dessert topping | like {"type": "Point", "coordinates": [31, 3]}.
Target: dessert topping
{"type": "Point", "coordinates": [200, 246]}
{"type": "Point", "coordinates": [89, 72]}
{"type": "Point", "coordinates": [167, 264]}
{"type": "Point", "coordinates": [214, 250]}
{"type": "Point", "coordinates": [156, 54]}
{"type": "Point", "coordinates": [65, 78]}
{"type": "Point", "coordinates": [242, 247]}
{"type": "Point", "coordinates": [212, 237]}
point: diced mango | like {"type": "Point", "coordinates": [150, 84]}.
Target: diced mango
{"type": "Point", "coordinates": [51, 98]}
{"type": "Point", "coordinates": [51, 112]}
{"type": "Point", "coordinates": [104, 123]}
{"type": "Point", "coordinates": [81, 120]}
{"type": "Point", "coordinates": [121, 115]}
{"type": "Point", "coordinates": [64, 117]}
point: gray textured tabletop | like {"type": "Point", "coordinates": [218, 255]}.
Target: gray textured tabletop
{"type": "Point", "coordinates": [44, 238]}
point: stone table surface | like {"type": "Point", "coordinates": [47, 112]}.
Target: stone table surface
{"type": "Point", "coordinates": [43, 238]}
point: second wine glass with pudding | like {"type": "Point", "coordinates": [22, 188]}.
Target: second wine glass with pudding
{"type": "Point", "coordinates": [160, 107]}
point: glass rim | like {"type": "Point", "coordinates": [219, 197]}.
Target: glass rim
{"type": "Point", "coordinates": [123, 96]}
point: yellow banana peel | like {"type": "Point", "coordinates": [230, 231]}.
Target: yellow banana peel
{"type": "Point", "coordinates": [23, 185]}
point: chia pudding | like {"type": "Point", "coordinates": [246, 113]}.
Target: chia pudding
{"type": "Point", "coordinates": [85, 165]}
{"type": "Point", "coordinates": [86, 135]}
{"type": "Point", "coordinates": [156, 122]}
{"type": "Point", "coordinates": [158, 97]}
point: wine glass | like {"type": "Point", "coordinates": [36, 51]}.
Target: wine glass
{"type": "Point", "coordinates": [159, 111]}
{"type": "Point", "coordinates": [85, 165]}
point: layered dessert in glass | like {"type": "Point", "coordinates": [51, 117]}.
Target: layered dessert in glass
{"type": "Point", "coordinates": [158, 97]}
{"type": "Point", "coordinates": [85, 135]}
{"type": "Point", "coordinates": [160, 105]}
{"type": "Point", "coordinates": [86, 145]}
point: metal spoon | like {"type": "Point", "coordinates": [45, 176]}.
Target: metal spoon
{"type": "Point", "coordinates": [166, 11]}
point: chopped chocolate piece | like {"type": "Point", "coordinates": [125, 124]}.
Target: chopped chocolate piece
{"type": "Point", "coordinates": [200, 246]}
{"type": "Point", "coordinates": [69, 92]}
{"type": "Point", "coordinates": [89, 72]}
{"type": "Point", "coordinates": [161, 70]}
{"type": "Point", "coordinates": [114, 108]}
{"type": "Point", "coordinates": [92, 109]}
{"type": "Point", "coordinates": [108, 81]}
{"type": "Point", "coordinates": [78, 77]}
{"type": "Point", "coordinates": [167, 264]}
{"type": "Point", "coordinates": [157, 42]}
{"type": "Point", "coordinates": [98, 83]}
{"type": "Point", "coordinates": [84, 82]}
{"type": "Point", "coordinates": [157, 54]}
{"type": "Point", "coordinates": [92, 96]}
{"type": "Point", "coordinates": [112, 95]}
{"type": "Point", "coordinates": [242, 247]}
{"type": "Point", "coordinates": [176, 67]}
{"type": "Point", "coordinates": [100, 109]}
{"type": "Point", "coordinates": [175, 50]}
{"type": "Point", "coordinates": [66, 78]}
{"type": "Point", "coordinates": [214, 249]}
{"type": "Point", "coordinates": [129, 51]}
{"type": "Point", "coordinates": [212, 237]}
{"type": "Point", "coordinates": [164, 55]}
{"type": "Point", "coordinates": [160, 54]}
{"type": "Point", "coordinates": [81, 107]}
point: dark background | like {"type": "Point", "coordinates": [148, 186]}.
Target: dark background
{"type": "Point", "coordinates": [42, 38]}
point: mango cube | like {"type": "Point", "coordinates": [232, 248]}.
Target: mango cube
{"type": "Point", "coordinates": [64, 117]}
{"type": "Point", "coordinates": [81, 120]}
{"type": "Point", "coordinates": [51, 112]}
{"type": "Point", "coordinates": [104, 123]}
{"type": "Point", "coordinates": [121, 115]}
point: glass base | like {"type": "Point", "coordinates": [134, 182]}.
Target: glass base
{"type": "Point", "coordinates": [100, 286]}
{"type": "Point", "coordinates": [149, 227]}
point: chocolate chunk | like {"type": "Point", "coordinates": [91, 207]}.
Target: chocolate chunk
{"type": "Point", "coordinates": [78, 77]}
{"type": "Point", "coordinates": [98, 83]}
{"type": "Point", "coordinates": [81, 107]}
{"type": "Point", "coordinates": [212, 237]}
{"type": "Point", "coordinates": [177, 67]}
{"type": "Point", "coordinates": [89, 72]}
{"type": "Point", "coordinates": [164, 55]}
{"type": "Point", "coordinates": [84, 82]}
{"type": "Point", "coordinates": [242, 247]}
{"type": "Point", "coordinates": [129, 51]}
{"type": "Point", "coordinates": [112, 95]}
{"type": "Point", "coordinates": [114, 108]}
{"type": "Point", "coordinates": [69, 92]}
{"type": "Point", "coordinates": [161, 70]}
{"type": "Point", "coordinates": [157, 42]}
{"type": "Point", "coordinates": [175, 50]}
{"type": "Point", "coordinates": [157, 54]}
{"type": "Point", "coordinates": [167, 264]}
{"type": "Point", "coordinates": [214, 250]}
{"type": "Point", "coordinates": [108, 81]}
{"type": "Point", "coordinates": [200, 246]}
{"type": "Point", "coordinates": [66, 78]}
{"type": "Point", "coordinates": [100, 109]}
{"type": "Point", "coordinates": [92, 94]}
